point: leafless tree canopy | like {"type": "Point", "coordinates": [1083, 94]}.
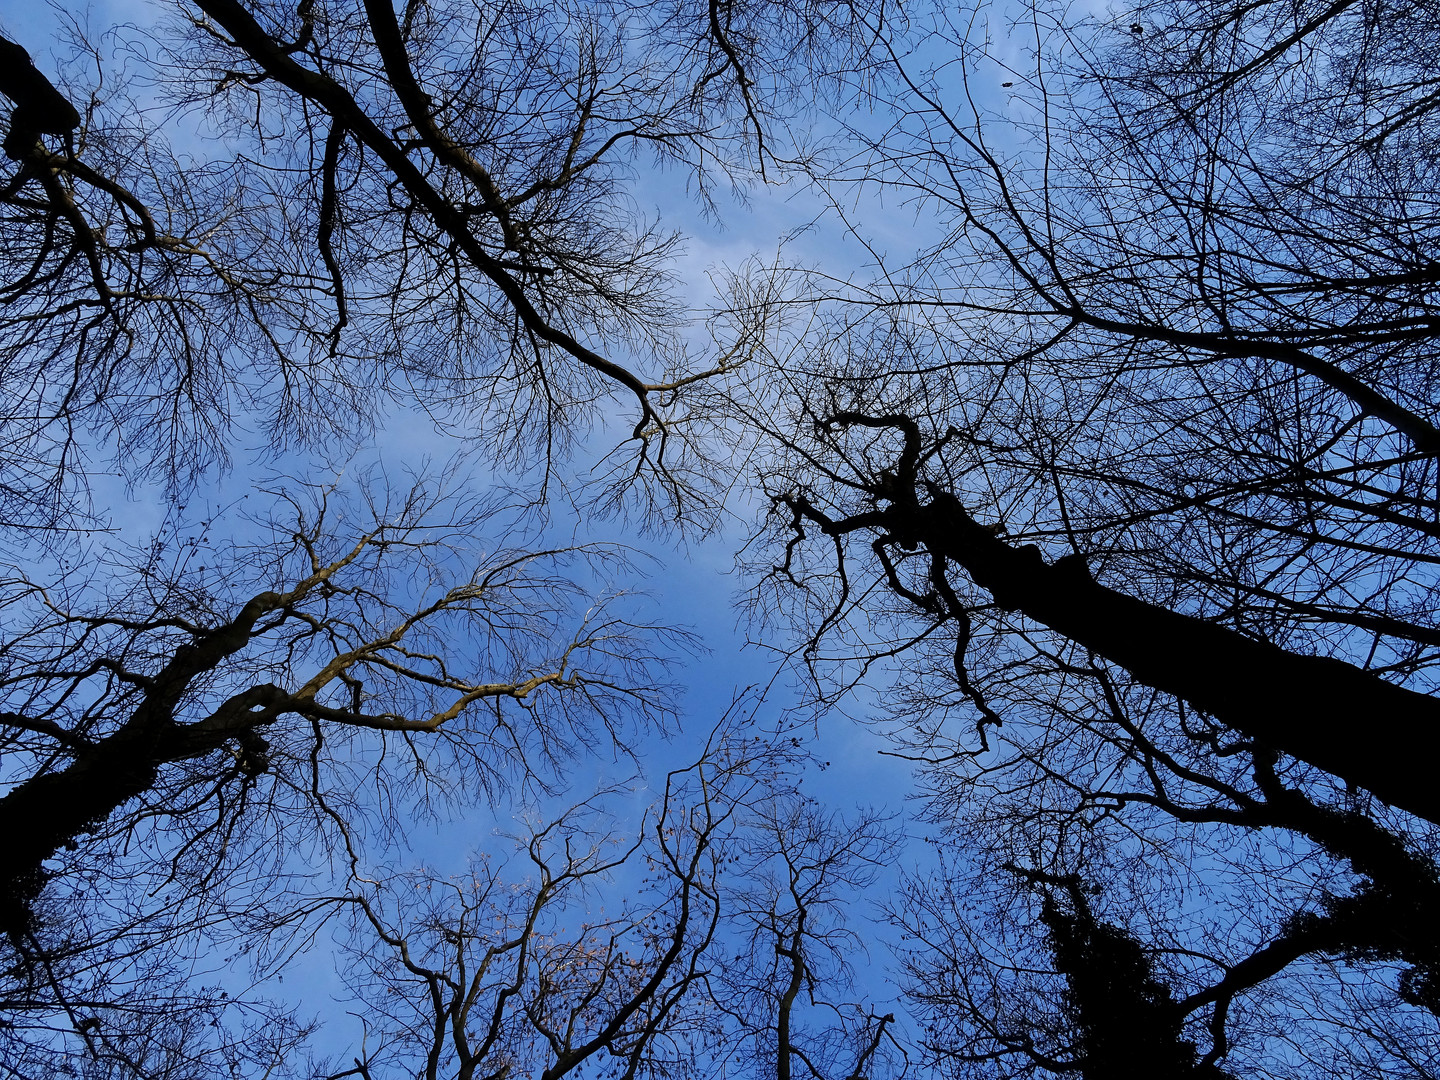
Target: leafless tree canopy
{"type": "Point", "coordinates": [436, 204]}
{"type": "Point", "coordinates": [1101, 484]}
{"type": "Point", "coordinates": [1126, 475]}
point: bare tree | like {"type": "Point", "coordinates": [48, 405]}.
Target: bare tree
{"type": "Point", "coordinates": [437, 204]}
{"type": "Point", "coordinates": [537, 967]}
{"type": "Point", "coordinates": [1127, 477]}
{"type": "Point", "coordinates": [791, 988]}
{"type": "Point", "coordinates": [299, 219]}
{"type": "Point", "coordinates": [174, 733]}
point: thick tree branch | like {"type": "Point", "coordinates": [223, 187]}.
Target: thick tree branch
{"type": "Point", "coordinates": [1328, 713]}
{"type": "Point", "coordinates": [279, 65]}
{"type": "Point", "coordinates": [49, 810]}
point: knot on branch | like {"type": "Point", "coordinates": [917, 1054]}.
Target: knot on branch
{"type": "Point", "coordinates": [896, 484]}
{"type": "Point", "coordinates": [253, 753]}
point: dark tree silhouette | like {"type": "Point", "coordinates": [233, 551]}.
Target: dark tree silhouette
{"type": "Point", "coordinates": [791, 991]}
{"type": "Point", "coordinates": [1125, 477]}
{"type": "Point", "coordinates": [437, 204]}
{"type": "Point", "coordinates": [1125, 1019]}
{"type": "Point", "coordinates": [1128, 477]}
{"type": "Point", "coordinates": [174, 732]}
{"type": "Point", "coordinates": [37, 107]}
{"type": "Point", "coordinates": [435, 211]}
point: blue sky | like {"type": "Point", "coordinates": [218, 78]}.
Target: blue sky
{"type": "Point", "coordinates": [691, 583]}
